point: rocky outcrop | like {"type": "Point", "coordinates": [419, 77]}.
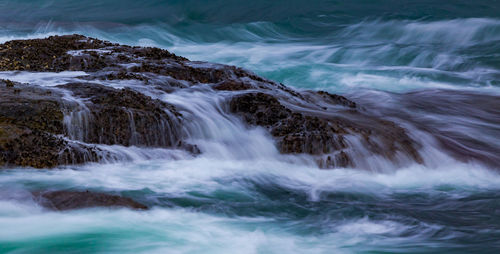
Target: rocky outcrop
{"type": "Point", "coordinates": [31, 120]}
{"type": "Point", "coordinates": [33, 148]}
{"type": "Point", "coordinates": [33, 132]}
{"type": "Point", "coordinates": [48, 54]}
{"type": "Point", "coordinates": [124, 117]}
{"type": "Point", "coordinates": [49, 126]}
{"type": "Point", "coordinates": [320, 132]}
{"type": "Point", "coordinates": [70, 200]}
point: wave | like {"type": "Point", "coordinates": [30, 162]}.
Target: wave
{"type": "Point", "coordinates": [454, 33]}
{"type": "Point", "coordinates": [180, 230]}
{"type": "Point", "coordinates": [445, 53]}
{"type": "Point", "coordinates": [207, 177]}
{"type": "Point", "coordinates": [433, 73]}
{"type": "Point", "coordinates": [215, 205]}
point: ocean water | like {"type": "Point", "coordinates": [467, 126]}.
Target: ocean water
{"type": "Point", "coordinates": [431, 66]}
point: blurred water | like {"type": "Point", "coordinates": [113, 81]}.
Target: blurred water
{"type": "Point", "coordinates": [430, 66]}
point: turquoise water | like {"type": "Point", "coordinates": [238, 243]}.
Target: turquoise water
{"type": "Point", "coordinates": [249, 200]}
{"type": "Point", "coordinates": [389, 45]}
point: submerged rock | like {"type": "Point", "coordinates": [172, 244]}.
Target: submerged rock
{"type": "Point", "coordinates": [49, 126]}
{"type": "Point", "coordinates": [69, 200]}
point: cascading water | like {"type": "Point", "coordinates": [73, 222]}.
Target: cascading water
{"type": "Point", "coordinates": [431, 68]}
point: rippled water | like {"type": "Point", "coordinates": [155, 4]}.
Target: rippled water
{"type": "Point", "coordinates": [431, 66]}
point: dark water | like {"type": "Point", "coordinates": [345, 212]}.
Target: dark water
{"type": "Point", "coordinates": [432, 66]}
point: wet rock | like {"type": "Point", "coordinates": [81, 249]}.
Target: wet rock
{"type": "Point", "coordinates": [80, 53]}
{"type": "Point", "coordinates": [48, 54]}
{"type": "Point", "coordinates": [259, 108]}
{"type": "Point", "coordinates": [31, 107]}
{"type": "Point", "coordinates": [30, 121]}
{"type": "Point", "coordinates": [72, 52]}
{"type": "Point", "coordinates": [193, 149]}
{"type": "Point", "coordinates": [470, 131]}
{"type": "Point", "coordinates": [337, 99]}
{"type": "Point", "coordinates": [232, 85]}
{"type": "Point", "coordinates": [33, 133]}
{"type": "Point", "coordinates": [126, 117]}
{"type": "Point", "coordinates": [69, 200]}
{"type": "Point", "coordinates": [33, 148]}
{"type": "Point", "coordinates": [294, 131]}
{"type": "Point", "coordinates": [7, 82]}
{"type": "Point", "coordinates": [302, 122]}
{"type": "Point", "coordinates": [322, 133]}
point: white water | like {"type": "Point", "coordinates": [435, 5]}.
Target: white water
{"type": "Point", "coordinates": [42, 78]}
{"type": "Point", "coordinates": [218, 189]}
{"type": "Point", "coordinates": [185, 230]}
{"type": "Point", "coordinates": [236, 162]}
{"type": "Point", "coordinates": [397, 55]}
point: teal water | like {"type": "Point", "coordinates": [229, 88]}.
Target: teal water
{"type": "Point", "coordinates": [389, 45]}
{"type": "Point", "coordinates": [391, 55]}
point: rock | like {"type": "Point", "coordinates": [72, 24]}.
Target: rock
{"type": "Point", "coordinates": [7, 82]}
{"type": "Point", "coordinates": [232, 85]}
{"type": "Point", "coordinates": [322, 133]}
{"type": "Point", "coordinates": [69, 200]}
{"type": "Point", "coordinates": [33, 133]}
{"type": "Point", "coordinates": [48, 54]}
{"type": "Point", "coordinates": [32, 107]}
{"type": "Point", "coordinates": [126, 117]}
{"type": "Point", "coordinates": [33, 148]}
{"type": "Point", "coordinates": [30, 121]}
{"type": "Point", "coordinates": [320, 124]}
{"type": "Point", "coordinates": [80, 53]}
{"type": "Point", "coordinates": [337, 99]}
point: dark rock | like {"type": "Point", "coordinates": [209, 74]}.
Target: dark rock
{"type": "Point", "coordinates": [259, 108]}
{"type": "Point", "coordinates": [52, 54]}
{"type": "Point", "coordinates": [21, 146]}
{"type": "Point", "coordinates": [48, 54]}
{"type": "Point", "coordinates": [315, 123]}
{"type": "Point", "coordinates": [126, 117]}
{"type": "Point", "coordinates": [7, 82]}
{"type": "Point", "coordinates": [193, 149]}
{"type": "Point", "coordinates": [69, 200]}
{"type": "Point", "coordinates": [337, 99]}
{"type": "Point", "coordinates": [232, 85]}
{"type": "Point", "coordinates": [320, 132]}
{"type": "Point", "coordinates": [29, 123]}
{"type": "Point", "coordinates": [31, 107]}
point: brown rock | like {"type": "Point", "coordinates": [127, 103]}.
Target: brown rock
{"type": "Point", "coordinates": [126, 117]}
{"type": "Point", "coordinates": [232, 85]}
{"type": "Point", "coordinates": [29, 123]}
{"type": "Point", "coordinates": [320, 132]}
{"type": "Point", "coordinates": [316, 123]}
{"type": "Point", "coordinates": [69, 200]}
